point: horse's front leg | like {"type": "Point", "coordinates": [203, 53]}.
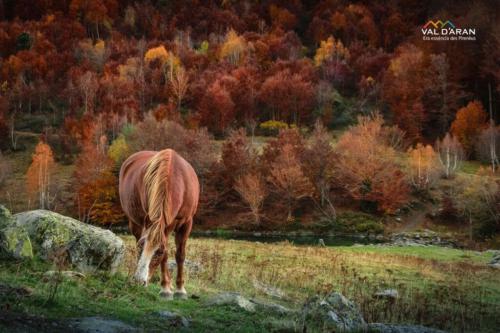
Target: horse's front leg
{"type": "Point", "coordinates": [181, 236]}
{"type": "Point", "coordinates": [148, 250]}
{"type": "Point", "coordinates": [166, 284]}
{"type": "Point", "coordinates": [156, 261]}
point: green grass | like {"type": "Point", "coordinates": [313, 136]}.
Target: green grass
{"type": "Point", "coordinates": [439, 287]}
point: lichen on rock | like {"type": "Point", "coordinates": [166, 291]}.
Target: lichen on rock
{"type": "Point", "coordinates": [14, 240]}
{"type": "Point", "coordinates": [86, 247]}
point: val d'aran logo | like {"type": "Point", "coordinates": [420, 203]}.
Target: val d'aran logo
{"type": "Point", "coordinates": [446, 30]}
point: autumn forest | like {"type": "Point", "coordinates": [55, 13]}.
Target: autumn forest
{"type": "Point", "coordinates": [294, 114]}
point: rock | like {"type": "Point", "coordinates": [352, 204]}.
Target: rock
{"type": "Point", "coordinates": [389, 328]}
{"type": "Point", "coordinates": [65, 274]}
{"type": "Point", "coordinates": [495, 259]}
{"type": "Point", "coordinates": [424, 238]}
{"type": "Point", "coordinates": [173, 318]}
{"type": "Point", "coordinates": [269, 290]}
{"type": "Point", "coordinates": [271, 307]}
{"type": "Point", "coordinates": [334, 313]}
{"type": "Point", "coordinates": [234, 299]}
{"type": "Point", "coordinates": [87, 247]}
{"type": "Point", "coordinates": [101, 325]}
{"type": "Point", "coordinates": [15, 242]}
{"type": "Point", "coordinates": [191, 266]}
{"type": "Point", "coordinates": [387, 294]}
{"type": "Point", "coordinates": [250, 305]}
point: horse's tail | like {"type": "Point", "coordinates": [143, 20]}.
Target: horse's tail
{"type": "Point", "coordinates": [155, 182]}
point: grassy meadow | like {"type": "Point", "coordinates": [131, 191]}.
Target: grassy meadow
{"type": "Point", "coordinates": [438, 287]}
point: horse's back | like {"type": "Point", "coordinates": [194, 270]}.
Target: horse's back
{"type": "Point", "coordinates": [184, 186]}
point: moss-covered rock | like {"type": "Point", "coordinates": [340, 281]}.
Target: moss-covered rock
{"type": "Point", "coordinates": [14, 240]}
{"type": "Point", "coordinates": [84, 246]}
{"type": "Point", "coordinates": [333, 313]}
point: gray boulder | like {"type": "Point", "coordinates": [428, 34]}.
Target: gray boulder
{"type": "Point", "coordinates": [495, 260]}
{"type": "Point", "coordinates": [334, 313]}
{"type": "Point", "coordinates": [233, 299]}
{"type": "Point", "coordinates": [249, 305]}
{"type": "Point", "coordinates": [14, 240]}
{"type": "Point", "coordinates": [390, 294]}
{"type": "Point", "coordinates": [173, 318]}
{"type": "Point", "coordinates": [86, 247]}
{"type": "Point", "coordinates": [389, 328]}
{"type": "Point", "coordinates": [101, 325]}
{"type": "Point", "coordinates": [422, 238]}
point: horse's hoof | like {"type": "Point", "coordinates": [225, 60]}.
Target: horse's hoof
{"type": "Point", "coordinates": [166, 295]}
{"type": "Point", "coordinates": [181, 295]}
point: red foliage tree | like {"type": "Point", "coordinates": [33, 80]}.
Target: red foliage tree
{"type": "Point", "coordinates": [288, 96]}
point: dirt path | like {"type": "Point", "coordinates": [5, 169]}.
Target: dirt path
{"type": "Point", "coordinates": [416, 219]}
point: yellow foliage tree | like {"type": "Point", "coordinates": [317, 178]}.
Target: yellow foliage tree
{"type": "Point", "coordinates": [119, 150]}
{"type": "Point", "coordinates": [159, 52]}
{"type": "Point", "coordinates": [168, 60]}
{"type": "Point", "coordinates": [423, 166]}
{"type": "Point", "coordinates": [330, 49]}
{"type": "Point", "coordinates": [234, 47]}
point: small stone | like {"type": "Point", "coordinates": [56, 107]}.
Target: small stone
{"type": "Point", "coordinates": [65, 274]}
{"type": "Point", "coordinates": [387, 294]}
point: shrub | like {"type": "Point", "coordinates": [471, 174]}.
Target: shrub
{"type": "Point", "coordinates": [360, 222]}
{"type": "Point", "coordinates": [272, 127]}
{"type": "Point", "coordinates": [194, 145]}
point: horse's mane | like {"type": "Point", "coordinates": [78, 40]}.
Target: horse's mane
{"type": "Point", "coordinates": [155, 183]}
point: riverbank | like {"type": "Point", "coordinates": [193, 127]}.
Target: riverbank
{"type": "Point", "coordinates": [444, 288]}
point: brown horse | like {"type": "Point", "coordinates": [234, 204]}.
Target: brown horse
{"type": "Point", "coordinates": [159, 193]}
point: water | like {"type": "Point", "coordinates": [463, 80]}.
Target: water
{"type": "Point", "coordinates": [338, 240]}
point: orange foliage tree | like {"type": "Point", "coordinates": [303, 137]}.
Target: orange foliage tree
{"type": "Point", "coordinates": [252, 189]}
{"type": "Point", "coordinates": [319, 158]}
{"type": "Point", "coordinates": [403, 89]}
{"type": "Point", "coordinates": [38, 177]}
{"type": "Point", "coordinates": [288, 179]}
{"type": "Point", "coordinates": [468, 123]}
{"type": "Point", "coordinates": [96, 186]}
{"type": "Point", "coordinates": [366, 167]}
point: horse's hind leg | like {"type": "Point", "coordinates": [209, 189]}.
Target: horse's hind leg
{"type": "Point", "coordinates": [166, 285]}
{"type": "Point", "coordinates": [181, 236]}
